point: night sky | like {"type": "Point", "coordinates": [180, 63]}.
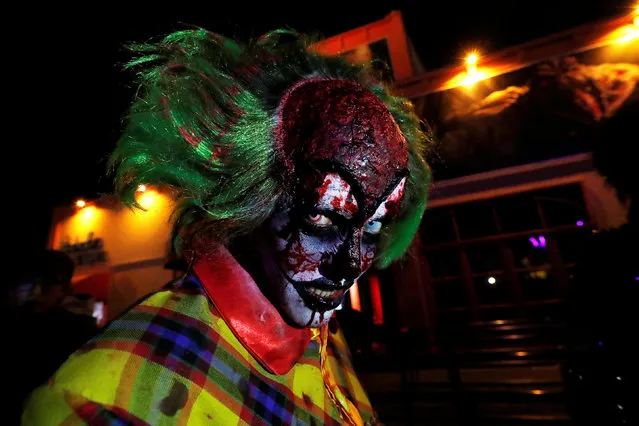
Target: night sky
{"type": "Point", "coordinates": [64, 67]}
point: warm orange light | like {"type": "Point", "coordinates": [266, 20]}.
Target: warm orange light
{"type": "Point", "coordinates": [354, 296]}
{"type": "Point", "coordinates": [473, 74]}
{"type": "Point", "coordinates": [537, 392]}
{"type": "Point", "coordinates": [472, 59]}
{"type": "Point", "coordinates": [87, 215]}
{"type": "Point", "coordinates": [472, 78]}
{"type": "Point", "coordinates": [627, 33]}
{"type": "Point", "coordinates": [80, 203]}
{"type": "Point", "coordinates": [147, 199]}
{"type": "Point", "coordinates": [142, 188]}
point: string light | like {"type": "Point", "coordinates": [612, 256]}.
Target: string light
{"type": "Point", "coordinates": [492, 280]}
{"type": "Point", "coordinates": [142, 188]}
{"type": "Point", "coordinates": [80, 203]}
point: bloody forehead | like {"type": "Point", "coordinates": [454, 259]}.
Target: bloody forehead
{"type": "Point", "coordinates": [339, 122]}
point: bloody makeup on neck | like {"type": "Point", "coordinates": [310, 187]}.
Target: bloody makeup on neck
{"type": "Point", "coordinates": [348, 163]}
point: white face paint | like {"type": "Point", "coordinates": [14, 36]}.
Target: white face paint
{"type": "Point", "coordinates": [320, 253]}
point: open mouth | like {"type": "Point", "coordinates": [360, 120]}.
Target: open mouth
{"type": "Point", "coordinates": [325, 294]}
{"type": "Point", "coordinates": [319, 300]}
{"type": "Point", "coordinates": [319, 297]}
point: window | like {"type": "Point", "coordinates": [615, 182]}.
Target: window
{"type": "Point", "coordinates": [520, 250]}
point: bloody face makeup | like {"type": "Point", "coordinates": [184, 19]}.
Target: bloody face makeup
{"type": "Point", "coordinates": [347, 164]}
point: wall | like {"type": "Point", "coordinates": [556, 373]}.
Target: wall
{"type": "Point", "coordinates": [136, 243]}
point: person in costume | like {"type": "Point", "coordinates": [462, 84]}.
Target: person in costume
{"type": "Point", "coordinates": [294, 173]}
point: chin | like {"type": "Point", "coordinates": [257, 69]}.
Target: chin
{"type": "Point", "coordinates": [300, 314]}
{"type": "Point", "coordinates": [303, 304]}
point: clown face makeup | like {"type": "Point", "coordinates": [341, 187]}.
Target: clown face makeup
{"type": "Point", "coordinates": [321, 250]}
{"type": "Point", "coordinates": [350, 162]}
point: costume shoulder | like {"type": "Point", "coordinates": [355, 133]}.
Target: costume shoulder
{"type": "Point", "coordinates": [139, 370]}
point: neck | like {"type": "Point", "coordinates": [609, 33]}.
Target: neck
{"type": "Point", "coordinates": [248, 313]}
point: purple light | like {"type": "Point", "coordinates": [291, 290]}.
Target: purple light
{"type": "Point", "coordinates": [636, 278]}
{"type": "Point", "coordinates": [533, 241]}
{"type": "Point", "coordinates": [542, 241]}
{"type": "Point", "coordinates": [580, 223]}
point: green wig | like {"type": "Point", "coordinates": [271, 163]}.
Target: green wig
{"type": "Point", "coordinates": [202, 126]}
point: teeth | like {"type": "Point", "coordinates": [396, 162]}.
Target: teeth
{"type": "Point", "coordinates": [322, 293]}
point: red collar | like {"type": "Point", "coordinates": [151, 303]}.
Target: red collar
{"type": "Point", "coordinates": [255, 322]}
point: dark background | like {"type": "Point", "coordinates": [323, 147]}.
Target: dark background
{"type": "Point", "coordinates": [65, 94]}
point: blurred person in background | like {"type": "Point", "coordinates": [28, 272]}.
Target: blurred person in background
{"type": "Point", "coordinates": [41, 330]}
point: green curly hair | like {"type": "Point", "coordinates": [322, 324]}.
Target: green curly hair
{"type": "Point", "coordinates": [202, 124]}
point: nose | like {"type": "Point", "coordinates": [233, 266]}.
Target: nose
{"type": "Point", "coordinates": [346, 264]}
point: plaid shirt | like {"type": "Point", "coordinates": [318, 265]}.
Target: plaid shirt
{"type": "Point", "coordinates": [173, 360]}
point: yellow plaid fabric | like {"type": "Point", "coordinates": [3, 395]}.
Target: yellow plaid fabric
{"type": "Point", "coordinates": [172, 360]}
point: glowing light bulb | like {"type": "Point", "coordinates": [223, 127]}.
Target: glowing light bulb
{"type": "Point", "coordinates": [471, 65]}
{"type": "Point", "coordinates": [580, 223]}
{"type": "Point", "coordinates": [80, 203]}
{"type": "Point", "coordinates": [472, 58]}
{"type": "Point", "coordinates": [473, 75]}
{"type": "Point", "coordinates": [147, 200]}
{"type": "Point", "coordinates": [492, 280]}
{"type": "Point", "coordinates": [141, 188]}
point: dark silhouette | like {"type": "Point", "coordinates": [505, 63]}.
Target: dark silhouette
{"type": "Point", "coordinates": [40, 330]}
{"type": "Point", "coordinates": [601, 372]}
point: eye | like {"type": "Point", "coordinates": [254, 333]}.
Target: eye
{"type": "Point", "coordinates": [373, 227]}
{"type": "Point", "coordinates": [319, 220]}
